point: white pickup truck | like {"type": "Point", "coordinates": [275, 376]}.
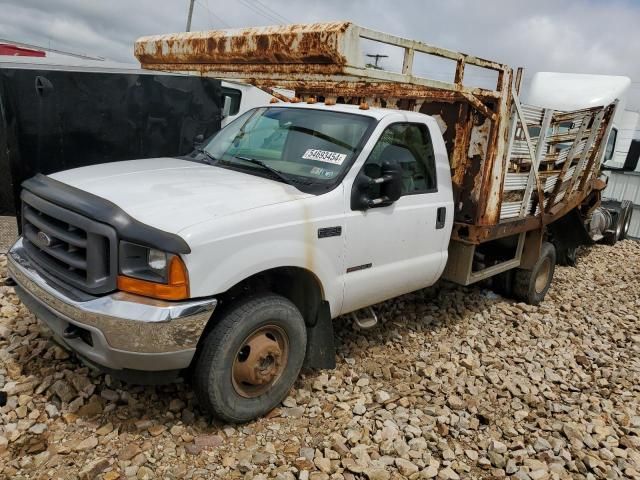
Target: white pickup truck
{"type": "Point", "coordinates": [292, 212]}
{"type": "Point", "coordinates": [232, 262]}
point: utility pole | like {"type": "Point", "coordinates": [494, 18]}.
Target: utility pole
{"type": "Point", "coordinates": [191, 2]}
{"type": "Point", "coordinates": [377, 56]}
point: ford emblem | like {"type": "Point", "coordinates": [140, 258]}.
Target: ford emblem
{"type": "Point", "coordinates": [44, 239]}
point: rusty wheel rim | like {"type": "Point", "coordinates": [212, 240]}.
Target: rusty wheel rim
{"type": "Point", "coordinates": [543, 275]}
{"type": "Point", "coordinates": [260, 361]}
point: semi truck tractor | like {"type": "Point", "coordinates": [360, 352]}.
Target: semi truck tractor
{"type": "Point", "coordinates": [229, 264]}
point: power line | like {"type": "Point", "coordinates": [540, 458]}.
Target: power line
{"type": "Point", "coordinates": [211, 14]}
{"type": "Point", "coordinates": [271, 10]}
{"type": "Point", "coordinates": [254, 9]}
{"type": "Point", "coordinates": [262, 13]}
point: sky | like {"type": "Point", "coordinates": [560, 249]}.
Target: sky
{"type": "Point", "coordinates": [579, 36]}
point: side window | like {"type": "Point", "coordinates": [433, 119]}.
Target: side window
{"type": "Point", "coordinates": [235, 96]}
{"type": "Point", "coordinates": [409, 146]}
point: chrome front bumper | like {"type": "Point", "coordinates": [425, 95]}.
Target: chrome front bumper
{"type": "Point", "coordinates": [127, 331]}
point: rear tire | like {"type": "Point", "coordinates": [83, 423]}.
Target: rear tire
{"type": "Point", "coordinates": [610, 238]}
{"type": "Point", "coordinates": [531, 286]}
{"type": "Point", "coordinates": [251, 358]}
{"type": "Point", "coordinates": [626, 219]}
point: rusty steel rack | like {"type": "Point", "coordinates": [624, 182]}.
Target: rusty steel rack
{"type": "Point", "coordinates": [515, 167]}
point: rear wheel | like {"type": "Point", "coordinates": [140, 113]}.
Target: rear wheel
{"type": "Point", "coordinates": [251, 358]}
{"type": "Point", "coordinates": [626, 220]}
{"type": "Point", "coordinates": [531, 286]}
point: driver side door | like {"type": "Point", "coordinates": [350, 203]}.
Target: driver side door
{"type": "Point", "coordinates": [398, 248]}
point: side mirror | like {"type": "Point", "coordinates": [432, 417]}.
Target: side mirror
{"type": "Point", "coordinates": [198, 140]}
{"type": "Point", "coordinates": [390, 183]}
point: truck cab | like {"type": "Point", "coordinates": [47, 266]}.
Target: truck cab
{"type": "Point", "coordinates": [301, 212]}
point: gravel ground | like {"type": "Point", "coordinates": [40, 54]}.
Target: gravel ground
{"type": "Point", "coordinates": [8, 233]}
{"type": "Point", "coordinates": [455, 383]}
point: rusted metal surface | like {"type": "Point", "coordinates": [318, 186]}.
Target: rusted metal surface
{"type": "Point", "coordinates": [476, 234]}
{"type": "Point", "coordinates": [360, 89]}
{"type": "Point", "coordinates": [319, 43]}
{"type": "Point", "coordinates": [494, 166]}
{"type": "Point", "coordinates": [280, 52]}
{"type": "Point", "coordinates": [518, 79]}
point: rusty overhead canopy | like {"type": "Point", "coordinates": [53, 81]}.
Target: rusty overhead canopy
{"type": "Point", "coordinates": [319, 51]}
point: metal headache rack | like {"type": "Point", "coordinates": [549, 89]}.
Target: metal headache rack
{"type": "Point", "coordinates": [515, 167]}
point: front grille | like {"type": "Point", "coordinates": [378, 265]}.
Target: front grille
{"type": "Point", "coordinates": [69, 246]}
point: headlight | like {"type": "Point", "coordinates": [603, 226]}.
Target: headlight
{"type": "Point", "coordinates": [157, 260]}
{"type": "Point", "coordinates": [151, 272]}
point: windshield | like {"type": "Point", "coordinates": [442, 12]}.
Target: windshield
{"type": "Point", "coordinates": [314, 146]}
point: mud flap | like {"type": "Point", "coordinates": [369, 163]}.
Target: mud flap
{"type": "Point", "coordinates": [321, 350]}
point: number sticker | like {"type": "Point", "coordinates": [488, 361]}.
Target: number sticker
{"type": "Point", "coordinates": [334, 158]}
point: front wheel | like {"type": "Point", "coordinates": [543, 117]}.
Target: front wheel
{"type": "Point", "coordinates": [251, 358]}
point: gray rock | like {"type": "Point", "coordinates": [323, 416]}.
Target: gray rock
{"type": "Point", "coordinates": [63, 390]}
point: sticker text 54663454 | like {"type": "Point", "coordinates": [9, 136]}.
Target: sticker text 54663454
{"type": "Point", "coordinates": [324, 156]}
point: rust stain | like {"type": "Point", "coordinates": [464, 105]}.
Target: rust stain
{"type": "Point", "coordinates": [317, 43]}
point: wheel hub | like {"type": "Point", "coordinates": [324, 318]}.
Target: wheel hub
{"type": "Point", "coordinates": [260, 361]}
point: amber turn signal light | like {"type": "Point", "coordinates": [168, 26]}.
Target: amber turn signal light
{"type": "Point", "coordinates": [177, 288]}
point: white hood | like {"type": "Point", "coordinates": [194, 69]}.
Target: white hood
{"type": "Point", "coordinates": [173, 194]}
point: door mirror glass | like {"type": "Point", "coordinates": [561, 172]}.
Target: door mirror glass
{"type": "Point", "coordinates": [370, 191]}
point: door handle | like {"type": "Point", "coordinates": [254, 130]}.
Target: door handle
{"type": "Point", "coordinates": [441, 217]}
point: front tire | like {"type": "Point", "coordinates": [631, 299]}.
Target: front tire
{"type": "Point", "coordinates": [251, 358]}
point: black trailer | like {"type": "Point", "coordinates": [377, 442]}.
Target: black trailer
{"type": "Point", "coordinates": [56, 117]}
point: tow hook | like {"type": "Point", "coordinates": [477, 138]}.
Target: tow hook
{"type": "Point", "coordinates": [71, 332]}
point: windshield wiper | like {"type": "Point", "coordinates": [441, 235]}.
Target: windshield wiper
{"type": "Point", "coordinates": [282, 176]}
{"type": "Point", "coordinates": [210, 158]}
